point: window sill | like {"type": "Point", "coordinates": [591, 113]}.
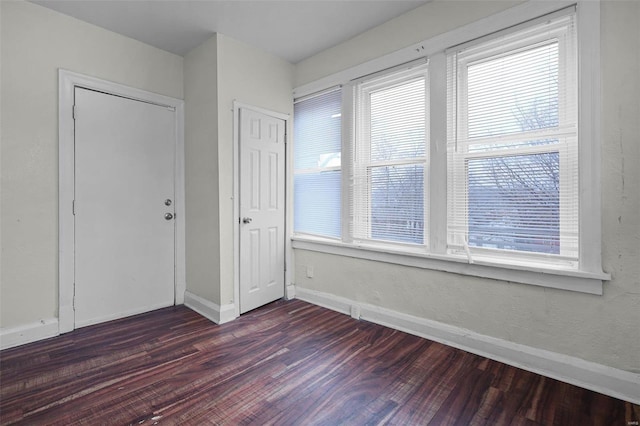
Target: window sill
{"type": "Point", "coordinates": [564, 279]}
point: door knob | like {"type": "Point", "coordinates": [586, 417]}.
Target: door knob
{"type": "Point", "coordinates": [246, 220]}
{"type": "Point", "coordinates": [168, 216]}
{"type": "Point", "coordinates": [167, 202]}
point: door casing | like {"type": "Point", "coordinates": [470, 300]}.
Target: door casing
{"type": "Point", "coordinates": [67, 81]}
{"type": "Point", "coordinates": [236, 199]}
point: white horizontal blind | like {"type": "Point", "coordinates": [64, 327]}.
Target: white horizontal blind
{"type": "Point", "coordinates": [513, 144]}
{"type": "Point", "coordinates": [389, 158]}
{"type": "Point", "coordinates": [317, 165]}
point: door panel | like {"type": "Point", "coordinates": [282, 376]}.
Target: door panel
{"type": "Point", "coordinates": [124, 172]}
{"type": "Point", "coordinates": [262, 183]}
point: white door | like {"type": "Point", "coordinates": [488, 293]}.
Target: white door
{"type": "Point", "coordinates": [262, 211]}
{"type": "Point", "coordinates": [124, 187]}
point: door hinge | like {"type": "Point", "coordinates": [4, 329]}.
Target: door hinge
{"type": "Point", "coordinates": [75, 112]}
{"type": "Point", "coordinates": [73, 207]}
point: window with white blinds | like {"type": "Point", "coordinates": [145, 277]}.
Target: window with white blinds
{"type": "Point", "coordinates": [512, 184]}
{"type": "Point", "coordinates": [317, 165]}
{"type": "Point", "coordinates": [485, 152]}
{"type": "Point", "coordinates": [389, 158]}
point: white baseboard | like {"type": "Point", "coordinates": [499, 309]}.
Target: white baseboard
{"type": "Point", "coordinates": [218, 314]}
{"type": "Point", "coordinates": [610, 381]}
{"type": "Point", "coordinates": [66, 319]}
{"type": "Point", "coordinates": [290, 292]}
{"type": "Point", "coordinates": [21, 335]}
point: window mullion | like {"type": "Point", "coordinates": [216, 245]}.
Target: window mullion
{"type": "Point", "coordinates": [436, 172]}
{"type": "Point", "coordinates": [348, 132]}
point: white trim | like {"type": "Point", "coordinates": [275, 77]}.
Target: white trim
{"type": "Point", "coordinates": [265, 111]}
{"type": "Point", "coordinates": [290, 291]}
{"type": "Point", "coordinates": [589, 134]}
{"type": "Point", "coordinates": [289, 263]}
{"type": "Point", "coordinates": [15, 336]}
{"type": "Point", "coordinates": [573, 280]}
{"type": "Point", "coordinates": [211, 311]}
{"type": "Point", "coordinates": [236, 197]}
{"type": "Point", "coordinates": [316, 94]}
{"type": "Point", "coordinates": [180, 210]}
{"type": "Point", "coordinates": [67, 81]}
{"type": "Point", "coordinates": [236, 206]}
{"type": "Point", "coordinates": [436, 203]}
{"type": "Point", "coordinates": [326, 300]}
{"type": "Point", "coordinates": [499, 21]}
{"type": "Point", "coordinates": [610, 381]}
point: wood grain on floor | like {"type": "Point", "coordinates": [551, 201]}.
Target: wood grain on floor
{"type": "Point", "coordinates": [287, 363]}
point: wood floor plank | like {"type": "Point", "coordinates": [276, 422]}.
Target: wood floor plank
{"type": "Point", "coordinates": [287, 363]}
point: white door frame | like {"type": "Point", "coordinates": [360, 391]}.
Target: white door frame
{"type": "Point", "coordinates": [67, 82]}
{"type": "Point", "coordinates": [236, 198]}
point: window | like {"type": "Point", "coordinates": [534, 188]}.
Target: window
{"type": "Point", "coordinates": [389, 159]}
{"type": "Point", "coordinates": [317, 165]}
{"type": "Point", "coordinates": [513, 145]}
{"type": "Point", "coordinates": [479, 155]}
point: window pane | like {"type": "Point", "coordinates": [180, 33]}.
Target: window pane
{"type": "Point", "coordinates": [317, 203]}
{"type": "Point", "coordinates": [317, 139]}
{"type": "Point", "coordinates": [317, 131]}
{"type": "Point", "coordinates": [514, 202]}
{"type": "Point", "coordinates": [397, 208]}
{"type": "Point", "coordinates": [398, 122]}
{"type": "Point", "coordinates": [525, 99]}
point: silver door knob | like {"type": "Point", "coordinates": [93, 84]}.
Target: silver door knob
{"type": "Point", "coordinates": [168, 216]}
{"type": "Point", "coordinates": [167, 202]}
{"type": "Point", "coordinates": [246, 220]}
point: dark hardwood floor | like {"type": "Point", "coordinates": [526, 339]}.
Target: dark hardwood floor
{"type": "Point", "coordinates": [289, 362]}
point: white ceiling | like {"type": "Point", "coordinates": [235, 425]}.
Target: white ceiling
{"type": "Point", "coordinates": [292, 30]}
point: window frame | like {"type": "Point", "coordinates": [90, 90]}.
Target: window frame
{"type": "Point", "coordinates": [589, 277]}
{"type": "Point", "coordinates": [319, 169]}
{"type": "Point", "coordinates": [534, 34]}
{"type": "Point", "coordinates": [360, 145]}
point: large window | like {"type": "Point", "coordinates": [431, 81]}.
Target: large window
{"type": "Point", "coordinates": [512, 144]}
{"type": "Point", "coordinates": [480, 157]}
{"type": "Point", "coordinates": [390, 152]}
{"type": "Point", "coordinates": [317, 165]}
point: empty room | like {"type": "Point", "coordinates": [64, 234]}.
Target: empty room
{"type": "Point", "coordinates": [320, 212]}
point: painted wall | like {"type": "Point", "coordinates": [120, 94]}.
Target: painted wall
{"type": "Point", "coordinates": [202, 174]}
{"type": "Point", "coordinates": [252, 77]}
{"type": "Point", "coordinates": [417, 25]}
{"type": "Point", "coordinates": [602, 329]}
{"type": "Point", "coordinates": [216, 73]}
{"type": "Point", "coordinates": [35, 42]}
